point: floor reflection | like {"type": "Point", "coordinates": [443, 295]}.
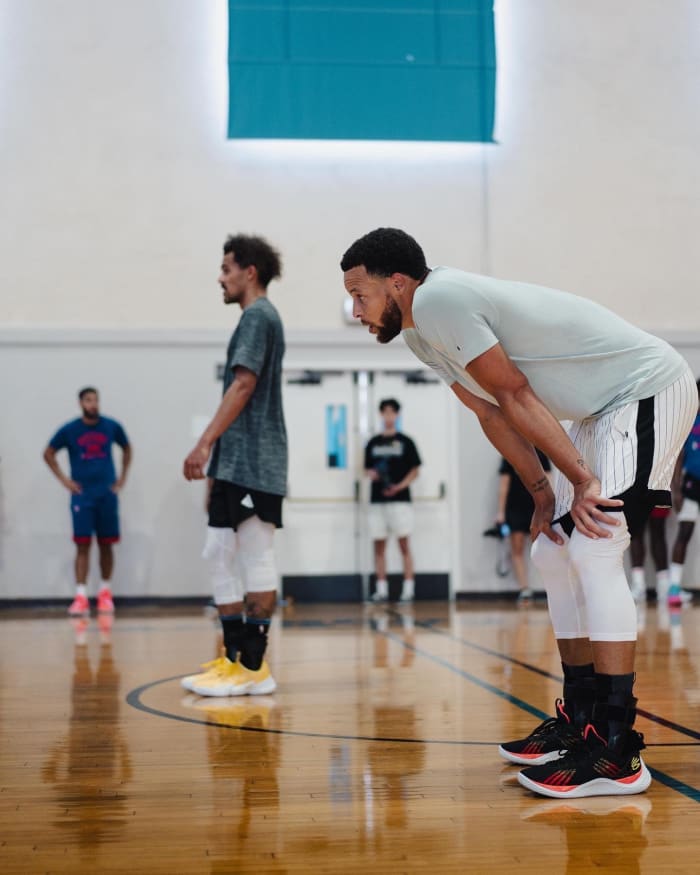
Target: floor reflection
{"type": "Point", "coordinates": [618, 824]}
{"type": "Point", "coordinates": [89, 767]}
{"type": "Point", "coordinates": [390, 767]}
{"type": "Point", "coordinates": [244, 760]}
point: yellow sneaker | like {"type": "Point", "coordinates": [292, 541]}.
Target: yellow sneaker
{"type": "Point", "coordinates": [221, 680]}
{"type": "Point", "coordinates": [253, 683]}
{"type": "Point", "coordinates": [209, 669]}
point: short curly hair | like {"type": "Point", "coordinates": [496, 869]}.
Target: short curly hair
{"type": "Point", "coordinates": [386, 251]}
{"type": "Point", "coordinates": [249, 251]}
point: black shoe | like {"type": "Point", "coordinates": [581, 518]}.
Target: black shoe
{"type": "Point", "coordinates": [550, 741]}
{"type": "Point", "coordinates": [592, 768]}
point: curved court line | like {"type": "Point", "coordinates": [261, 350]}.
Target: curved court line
{"type": "Point", "coordinates": [673, 783]}
{"type": "Point", "coordinates": [133, 698]}
{"type": "Point", "coordinates": [655, 718]}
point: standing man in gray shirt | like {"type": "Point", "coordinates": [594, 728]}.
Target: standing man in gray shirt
{"type": "Point", "coordinates": [522, 357]}
{"type": "Point", "coordinates": [247, 442]}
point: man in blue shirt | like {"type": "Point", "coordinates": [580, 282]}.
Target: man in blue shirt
{"type": "Point", "coordinates": [93, 485]}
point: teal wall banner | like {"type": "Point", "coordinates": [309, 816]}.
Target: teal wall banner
{"type": "Point", "coordinates": [336, 436]}
{"type": "Point", "coordinates": [362, 69]}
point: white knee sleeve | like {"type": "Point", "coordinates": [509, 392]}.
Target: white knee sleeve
{"type": "Point", "coordinates": [220, 553]}
{"type": "Point", "coordinates": [565, 599]}
{"type": "Point", "coordinates": [257, 556]}
{"type": "Point", "coordinates": [610, 608]}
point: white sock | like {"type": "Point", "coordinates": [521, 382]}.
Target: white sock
{"type": "Point", "coordinates": [382, 588]}
{"type": "Point", "coordinates": [638, 581]}
{"type": "Point", "coordinates": [407, 588]}
{"type": "Point", "coordinates": [106, 585]}
{"type": "Point", "coordinates": [676, 574]}
{"type": "Point", "coordinates": [81, 589]}
{"type": "Point", "coordinates": [662, 581]}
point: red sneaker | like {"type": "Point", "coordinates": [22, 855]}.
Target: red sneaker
{"type": "Point", "coordinates": [104, 624]}
{"type": "Point", "coordinates": [79, 606]}
{"type": "Point", "coordinates": [105, 605]}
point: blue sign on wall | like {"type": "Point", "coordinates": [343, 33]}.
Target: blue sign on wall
{"type": "Point", "coordinates": [336, 436]}
{"type": "Point", "coordinates": [362, 69]}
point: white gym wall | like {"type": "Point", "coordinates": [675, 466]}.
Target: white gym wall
{"type": "Point", "coordinates": [118, 187]}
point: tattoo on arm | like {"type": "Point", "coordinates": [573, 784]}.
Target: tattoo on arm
{"type": "Point", "coordinates": [581, 463]}
{"type": "Point", "coordinates": [540, 484]}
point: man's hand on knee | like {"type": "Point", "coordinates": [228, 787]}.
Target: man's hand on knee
{"type": "Point", "coordinates": [587, 513]}
{"type": "Point", "coordinates": [541, 523]}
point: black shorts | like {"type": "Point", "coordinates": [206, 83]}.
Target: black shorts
{"type": "Point", "coordinates": [519, 519]}
{"type": "Point", "coordinates": [519, 511]}
{"type": "Point", "coordinates": [227, 510]}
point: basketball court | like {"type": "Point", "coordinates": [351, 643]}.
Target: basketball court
{"type": "Point", "coordinates": [376, 754]}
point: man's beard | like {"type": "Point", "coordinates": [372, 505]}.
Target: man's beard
{"type": "Point", "coordinates": [231, 297]}
{"type": "Point", "coordinates": [391, 322]}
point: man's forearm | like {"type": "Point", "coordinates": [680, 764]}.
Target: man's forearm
{"type": "Point", "coordinates": [232, 404]}
{"type": "Point", "coordinates": [516, 448]}
{"type": "Point", "coordinates": [408, 479]}
{"type": "Point", "coordinates": [525, 412]}
{"type": "Point", "coordinates": [55, 468]}
{"type": "Point", "coordinates": [126, 462]}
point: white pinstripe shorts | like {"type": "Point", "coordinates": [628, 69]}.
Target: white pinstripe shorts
{"type": "Point", "coordinates": [633, 449]}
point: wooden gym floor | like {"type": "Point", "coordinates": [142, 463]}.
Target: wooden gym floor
{"type": "Point", "coordinates": [377, 753]}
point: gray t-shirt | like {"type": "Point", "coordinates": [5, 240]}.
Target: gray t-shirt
{"type": "Point", "coordinates": [580, 358]}
{"type": "Point", "coordinates": [252, 452]}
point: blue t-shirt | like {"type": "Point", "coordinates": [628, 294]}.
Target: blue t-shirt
{"type": "Point", "coordinates": [90, 450]}
{"type": "Point", "coordinates": [691, 451]}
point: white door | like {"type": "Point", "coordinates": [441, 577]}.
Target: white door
{"type": "Point", "coordinates": [324, 550]}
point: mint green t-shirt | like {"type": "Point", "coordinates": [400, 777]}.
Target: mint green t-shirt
{"type": "Point", "coordinates": [580, 358]}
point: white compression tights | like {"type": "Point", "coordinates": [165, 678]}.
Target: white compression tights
{"type": "Point", "coordinates": [587, 590]}
{"type": "Point", "coordinates": [242, 561]}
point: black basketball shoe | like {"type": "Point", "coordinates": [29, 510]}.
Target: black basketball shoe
{"type": "Point", "coordinates": [592, 768]}
{"type": "Point", "coordinates": [550, 741]}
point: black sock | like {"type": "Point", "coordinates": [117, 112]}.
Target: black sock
{"type": "Point", "coordinates": [234, 632]}
{"type": "Point", "coordinates": [615, 710]}
{"type": "Point", "coordinates": [254, 642]}
{"type": "Point", "coordinates": [579, 693]}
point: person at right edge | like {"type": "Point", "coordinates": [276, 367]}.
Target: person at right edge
{"type": "Point", "coordinates": [521, 357]}
{"type": "Point", "coordinates": [686, 499]}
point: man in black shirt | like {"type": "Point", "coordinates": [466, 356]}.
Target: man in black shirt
{"type": "Point", "coordinates": [391, 463]}
{"type": "Point", "coordinates": [515, 509]}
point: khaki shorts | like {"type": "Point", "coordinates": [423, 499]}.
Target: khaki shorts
{"type": "Point", "coordinates": [689, 511]}
{"type": "Point", "coordinates": [390, 518]}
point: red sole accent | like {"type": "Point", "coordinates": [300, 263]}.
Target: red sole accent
{"type": "Point", "coordinates": [567, 788]}
{"type": "Point", "coordinates": [630, 779]}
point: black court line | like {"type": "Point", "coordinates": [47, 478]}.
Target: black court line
{"type": "Point", "coordinates": [655, 718]}
{"type": "Point", "coordinates": [669, 781]}
{"type": "Point", "coordinates": [133, 698]}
